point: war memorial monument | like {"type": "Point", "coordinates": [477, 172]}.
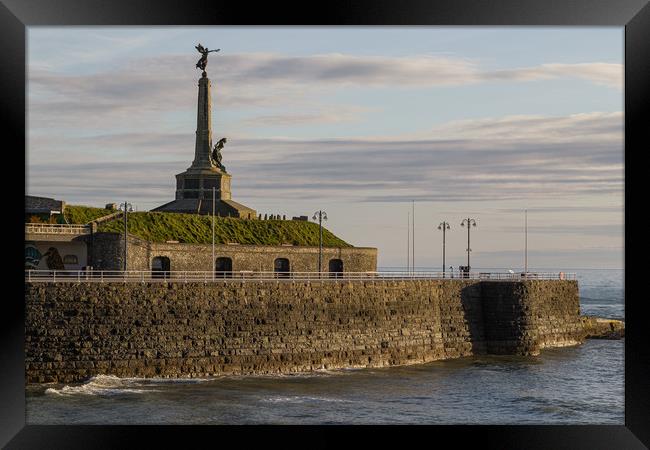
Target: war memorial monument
{"type": "Point", "coordinates": [194, 187]}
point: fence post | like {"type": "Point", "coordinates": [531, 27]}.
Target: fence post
{"type": "Point", "coordinates": [78, 276]}
{"type": "Point", "coordinates": [54, 276]}
{"type": "Point", "coordinates": [29, 275]}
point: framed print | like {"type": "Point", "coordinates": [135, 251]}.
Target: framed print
{"type": "Point", "coordinates": [376, 215]}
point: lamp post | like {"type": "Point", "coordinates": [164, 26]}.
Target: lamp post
{"type": "Point", "coordinates": [413, 236]}
{"type": "Point", "coordinates": [320, 215]}
{"type": "Point", "coordinates": [213, 260]}
{"type": "Point", "coordinates": [408, 242]}
{"type": "Point", "coordinates": [526, 242]}
{"type": "Point", "coordinates": [126, 207]}
{"type": "Point", "coordinates": [470, 223]}
{"type": "Point", "coordinates": [444, 226]}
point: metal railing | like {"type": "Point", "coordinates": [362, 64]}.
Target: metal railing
{"type": "Point", "coordinates": [101, 276]}
{"type": "Point", "coordinates": [55, 228]}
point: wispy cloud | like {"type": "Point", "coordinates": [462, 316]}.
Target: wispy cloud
{"type": "Point", "coordinates": [509, 165]}
{"type": "Point", "coordinates": [583, 229]}
{"type": "Point", "coordinates": [256, 79]}
{"type": "Point", "coordinates": [326, 114]}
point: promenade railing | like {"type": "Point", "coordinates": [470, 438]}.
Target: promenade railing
{"type": "Point", "coordinates": [55, 228]}
{"type": "Point", "coordinates": [148, 276]}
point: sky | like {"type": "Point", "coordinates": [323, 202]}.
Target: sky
{"type": "Point", "coordinates": [466, 122]}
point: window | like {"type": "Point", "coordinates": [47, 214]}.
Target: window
{"type": "Point", "coordinates": [191, 183]}
{"type": "Point", "coordinates": [336, 268]}
{"type": "Point", "coordinates": [209, 183]}
{"type": "Point", "coordinates": [160, 267]}
{"type": "Point", "coordinates": [70, 259]}
{"type": "Point", "coordinates": [281, 267]}
{"type": "Point", "coordinates": [223, 267]}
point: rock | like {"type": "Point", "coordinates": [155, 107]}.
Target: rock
{"type": "Point", "coordinates": [599, 328]}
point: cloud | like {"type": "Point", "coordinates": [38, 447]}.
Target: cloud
{"type": "Point", "coordinates": [606, 74]}
{"type": "Point", "coordinates": [416, 70]}
{"type": "Point", "coordinates": [585, 127]}
{"type": "Point", "coordinates": [582, 229]}
{"type": "Point", "coordinates": [346, 113]}
{"type": "Point", "coordinates": [387, 170]}
{"type": "Point", "coordinates": [562, 209]}
{"type": "Point", "coordinates": [168, 83]}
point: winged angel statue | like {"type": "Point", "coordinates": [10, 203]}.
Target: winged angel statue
{"type": "Point", "coordinates": [204, 56]}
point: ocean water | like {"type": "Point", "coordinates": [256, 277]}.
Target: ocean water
{"type": "Point", "coordinates": [572, 385]}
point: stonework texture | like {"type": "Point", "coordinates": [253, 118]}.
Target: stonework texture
{"type": "Point", "coordinates": [77, 330]}
{"type": "Point", "coordinates": [109, 251]}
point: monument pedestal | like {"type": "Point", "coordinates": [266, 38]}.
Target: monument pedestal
{"type": "Point", "coordinates": [200, 183]}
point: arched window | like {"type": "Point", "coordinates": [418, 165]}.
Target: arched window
{"type": "Point", "coordinates": [160, 267]}
{"type": "Point", "coordinates": [223, 267]}
{"type": "Point", "coordinates": [70, 259]}
{"type": "Point", "coordinates": [336, 268]}
{"type": "Point", "coordinates": [281, 267]}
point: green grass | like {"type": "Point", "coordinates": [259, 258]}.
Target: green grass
{"type": "Point", "coordinates": [197, 229]}
{"type": "Point", "coordinates": [76, 214]}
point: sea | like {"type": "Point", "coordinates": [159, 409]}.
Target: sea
{"type": "Point", "coordinates": [582, 384]}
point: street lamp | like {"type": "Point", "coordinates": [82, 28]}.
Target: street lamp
{"type": "Point", "coordinates": [470, 223]}
{"type": "Point", "coordinates": [213, 260]}
{"type": "Point", "coordinates": [526, 241]}
{"type": "Point", "coordinates": [320, 215]}
{"type": "Point", "coordinates": [127, 208]}
{"type": "Point", "coordinates": [444, 226]}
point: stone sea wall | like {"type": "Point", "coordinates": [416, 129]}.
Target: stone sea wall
{"type": "Point", "coordinates": [74, 331]}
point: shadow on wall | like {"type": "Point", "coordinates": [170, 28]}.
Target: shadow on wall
{"type": "Point", "coordinates": [471, 302]}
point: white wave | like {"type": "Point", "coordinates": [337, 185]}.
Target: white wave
{"type": "Point", "coordinates": [303, 399]}
{"type": "Point", "coordinates": [112, 385]}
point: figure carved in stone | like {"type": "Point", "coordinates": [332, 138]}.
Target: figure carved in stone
{"type": "Point", "coordinates": [204, 56]}
{"type": "Point", "coordinates": [216, 154]}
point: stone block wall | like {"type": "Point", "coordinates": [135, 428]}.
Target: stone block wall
{"type": "Point", "coordinates": [74, 331]}
{"type": "Point", "coordinates": [527, 316]}
{"type": "Point", "coordinates": [108, 251]}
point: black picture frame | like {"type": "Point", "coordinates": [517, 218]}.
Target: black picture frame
{"type": "Point", "coordinates": [16, 15]}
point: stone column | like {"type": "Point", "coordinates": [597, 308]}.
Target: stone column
{"type": "Point", "coordinates": [203, 145]}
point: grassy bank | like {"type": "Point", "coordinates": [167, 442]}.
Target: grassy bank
{"type": "Point", "coordinates": [196, 229]}
{"type": "Point", "coordinates": [76, 214]}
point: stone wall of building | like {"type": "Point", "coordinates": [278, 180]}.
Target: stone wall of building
{"type": "Point", "coordinates": [108, 249]}
{"type": "Point", "coordinates": [73, 254]}
{"type": "Point", "coordinates": [74, 331]}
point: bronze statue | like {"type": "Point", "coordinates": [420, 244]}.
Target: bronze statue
{"type": "Point", "coordinates": [216, 153]}
{"type": "Point", "coordinates": [204, 56]}
{"type": "Point", "coordinates": [53, 259]}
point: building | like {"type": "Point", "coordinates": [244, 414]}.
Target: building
{"type": "Point", "coordinates": [44, 209]}
{"type": "Point", "coordinates": [230, 259]}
